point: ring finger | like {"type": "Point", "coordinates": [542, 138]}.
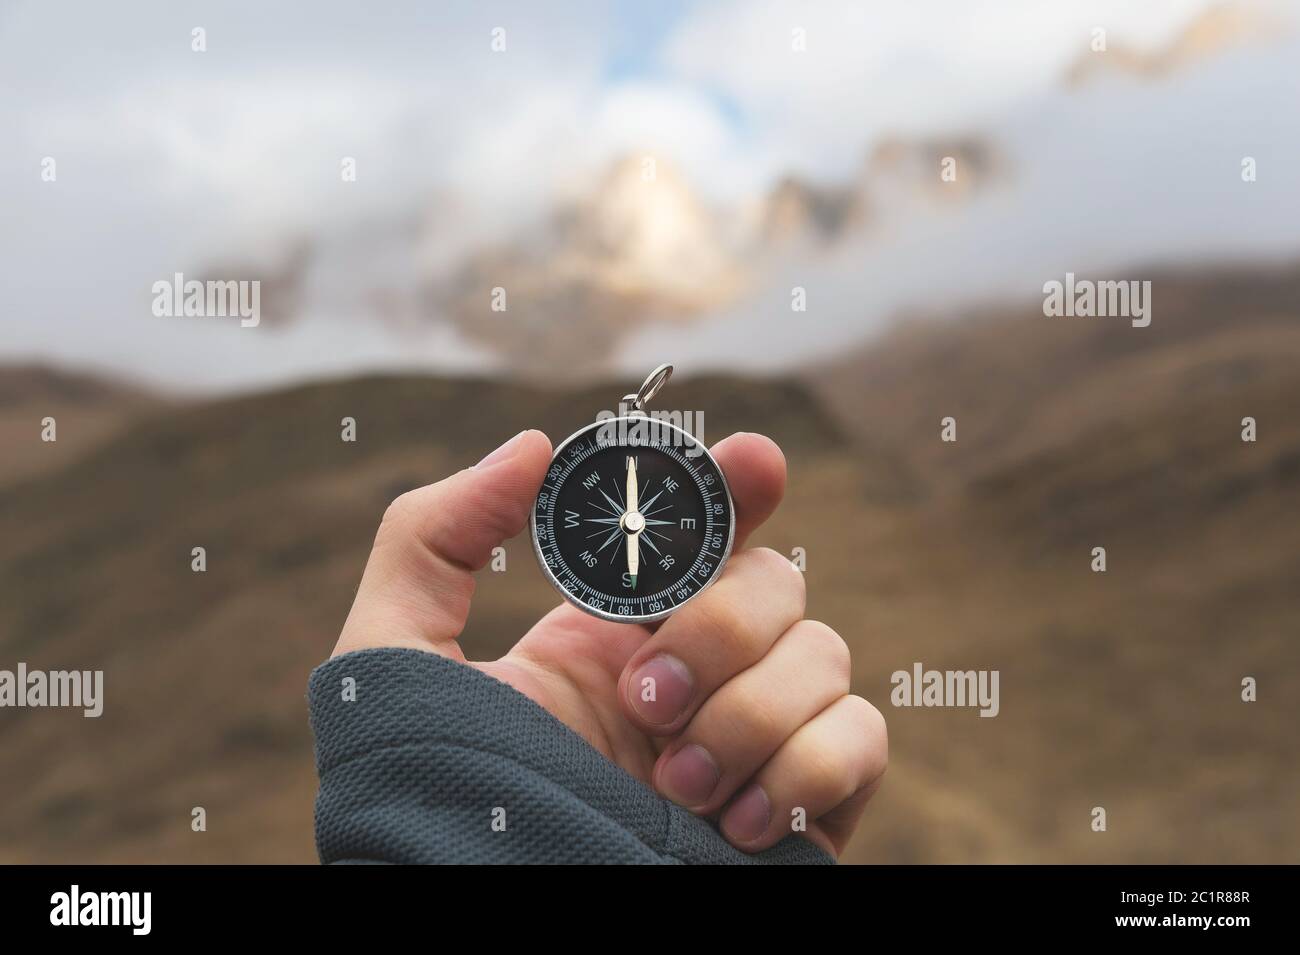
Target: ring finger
{"type": "Point", "coordinates": [825, 763]}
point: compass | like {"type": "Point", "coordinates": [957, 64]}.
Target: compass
{"type": "Point", "coordinates": [635, 517]}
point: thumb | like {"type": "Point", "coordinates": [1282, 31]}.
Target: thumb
{"type": "Point", "coordinates": [419, 579]}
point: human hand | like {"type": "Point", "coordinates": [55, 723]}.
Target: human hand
{"type": "Point", "coordinates": [750, 720]}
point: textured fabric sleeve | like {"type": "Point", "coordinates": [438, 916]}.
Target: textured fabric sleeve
{"type": "Point", "coordinates": [425, 760]}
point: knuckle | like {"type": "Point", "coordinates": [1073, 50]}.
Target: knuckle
{"type": "Point", "coordinates": [874, 734]}
{"type": "Point", "coordinates": [777, 571]}
{"type": "Point", "coordinates": [865, 716]}
{"type": "Point", "coordinates": [774, 562]}
{"type": "Point", "coordinates": [765, 557]}
{"type": "Point", "coordinates": [825, 644]}
{"type": "Point", "coordinates": [398, 516]}
{"type": "Point", "coordinates": [835, 765]}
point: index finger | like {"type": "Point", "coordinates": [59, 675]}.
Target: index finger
{"type": "Point", "coordinates": [755, 471]}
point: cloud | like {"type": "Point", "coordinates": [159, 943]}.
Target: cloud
{"type": "Point", "coordinates": [884, 68]}
{"type": "Point", "coordinates": [171, 160]}
{"type": "Point", "coordinates": [1123, 177]}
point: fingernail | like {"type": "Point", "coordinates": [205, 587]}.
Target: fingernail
{"type": "Point", "coordinates": [690, 776]}
{"type": "Point", "coordinates": [660, 689]}
{"type": "Point", "coordinates": [748, 816]}
{"type": "Point", "coordinates": [501, 453]}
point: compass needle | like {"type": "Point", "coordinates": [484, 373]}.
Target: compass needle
{"type": "Point", "coordinates": [633, 523]}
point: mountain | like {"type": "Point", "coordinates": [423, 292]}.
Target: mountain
{"type": "Point", "coordinates": [640, 245]}
{"type": "Point", "coordinates": [902, 176]}
{"type": "Point", "coordinates": [87, 410]}
{"type": "Point", "coordinates": [796, 209]}
{"type": "Point", "coordinates": [1222, 27]}
{"type": "Point", "coordinates": [1118, 689]}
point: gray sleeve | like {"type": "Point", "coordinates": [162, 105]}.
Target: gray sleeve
{"type": "Point", "coordinates": [430, 752]}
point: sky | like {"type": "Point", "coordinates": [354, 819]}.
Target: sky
{"type": "Point", "coordinates": [169, 160]}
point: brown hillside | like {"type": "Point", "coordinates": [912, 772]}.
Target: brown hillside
{"type": "Point", "coordinates": [1118, 690]}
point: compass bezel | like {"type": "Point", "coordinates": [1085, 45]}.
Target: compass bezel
{"type": "Point", "coordinates": [687, 441]}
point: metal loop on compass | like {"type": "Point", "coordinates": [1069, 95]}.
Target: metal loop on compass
{"type": "Point", "coordinates": [649, 388]}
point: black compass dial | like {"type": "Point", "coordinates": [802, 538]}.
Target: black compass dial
{"type": "Point", "coordinates": [632, 522]}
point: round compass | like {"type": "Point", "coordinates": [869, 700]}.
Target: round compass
{"type": "Point", "coordinates": [634, 518]}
